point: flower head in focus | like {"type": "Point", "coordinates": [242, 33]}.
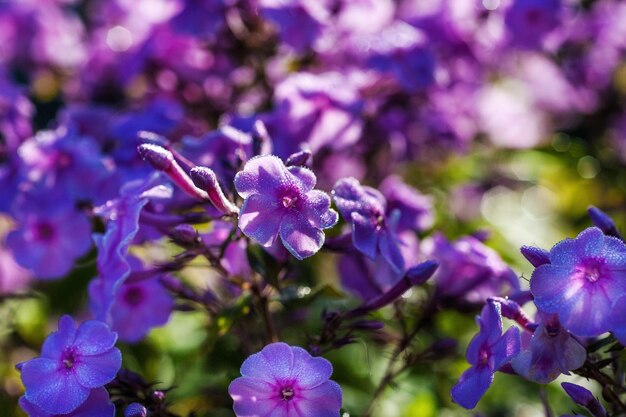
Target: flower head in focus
{"type": "Point", "coordinates": [585, 277]}
{"type": "Point", "coordinates": [281, 201]}
{"type": "Point", "coordinates": [488, 351]}
{"type": "Point", "coordinates": [287, 381]}
{"type": "Point", "coordinates": [73, 362]}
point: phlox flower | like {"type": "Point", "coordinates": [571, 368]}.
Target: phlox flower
{"type": "Point", "coordinates": [285, 381]}
{"type": "Point", "coordinates": [488, 351]}
{"type": "Point", "coordinates": [73, 362]}
{"type": "Point", "coordinates": [281, 201]}
{"type": "Point", "coordinates": [582, 282]}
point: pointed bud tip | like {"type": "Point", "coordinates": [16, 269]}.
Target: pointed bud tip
{"type": "Point", "coordinates": [419, 274]}
{"type": "Point", "coordinates": [157, 156]}
{"type": "Point", "coordinates": [135, 410]}
{"type": "Point", "coordinates": [536, 256]}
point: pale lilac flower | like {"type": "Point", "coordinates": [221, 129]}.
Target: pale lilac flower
{"type": "Point", "coordinates": [286, 381]}
{"type": "Point", "coordinates": [582, 282]}
{"type": "Point", "coordinates": [281, 201]}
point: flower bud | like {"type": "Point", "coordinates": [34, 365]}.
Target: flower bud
{"type": "Point", "coordinates": [603, 222]}
{"type": "Point", "coordinates": [205, 179]}
{"type": "Point", "coordinates": [299, 158]}
{"type": "Point", "coordinates": [582, 396]}
{"type": "Point", "coordinates": [536, 256]}
{"type": "Point", "coordinates": [135, 410]}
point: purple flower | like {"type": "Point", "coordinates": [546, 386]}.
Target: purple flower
{"type": "Point", "coordinates": [322, 111]}
{"type": "Point", "coordinates": [528, 21]}
{"type": "Point", "coordinates": [469, 270]}
{"type": "Point", "coordinates": [287, 381]}
{"type": "Point", "coordinates": [488, 351]}
{"type": "Point", "coordinates": [96, 405]}
{"type": "Point", "coordinates": [299, 22]}
{"type": "Point", "coordinates": [416, 209]}
{"type": "Point", "coordinates": [373, 233]}
{"type": "Point", "coordinates": [281, 201]}
{"type": "Point", "coordinates": [552, 351]}
{"type": "Point", "coordinates": [122, 226]}
{"type": "Point", "coordinates": [582, 282]}
{"type": "Point", "coordinates": [49, 237]}
{"type": "Point", "coordinates": [401, 50]}
{"type": "Point", "coordinates": [72, 363]}
{"type": "Point", "coordinates": [138, 307]}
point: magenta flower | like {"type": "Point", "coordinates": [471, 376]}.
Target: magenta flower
{"type": "Point", "coordinates": [488, 351]}
{"type": "Point", "coordinates": [582, 282]}
{"type": "Point", "coordinates": [73, 362]}
{"type": "Point", "coordinates": [285, 381]}
{"type": "Point", "coordinates": [281, 201]}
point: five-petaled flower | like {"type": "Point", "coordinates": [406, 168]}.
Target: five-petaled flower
{"type": "Point", "coordinates": [582, 282]}
{"type": "Point", "coordinates": [72, 363]}
{"type": "Point", "coordinates": [488, 351]}
{"type": "Point", "coordinates": [281, 201]}
{"type": "Point", "coordinates": [286, 381]}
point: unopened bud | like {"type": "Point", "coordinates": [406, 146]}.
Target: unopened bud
{"type": "Point", "coordinates": [536, 256]}
{"type": "Point", "coordinates": [205, 179]}
{"type": "Point", "coordinates": [603, 222]}
{"type": "Point", "coordinates": [135, 410]}
{"type": "Point", "coordinates": [299, 158]}
{"type": "Point", "coordinates": [157, 156]}
{"type": "Point", "coordinates": [582, 396]}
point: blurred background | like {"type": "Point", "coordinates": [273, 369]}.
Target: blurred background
{"type": "Point", "coordinates": [508, 115]}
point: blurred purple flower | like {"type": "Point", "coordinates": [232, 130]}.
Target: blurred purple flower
{"type": "Point", "coordinates": [97, 404]}
{"type": "Point", "coordinates": [416, 209]}
{"type": "Point", "coordinates": [488, 351]}
{"type": "Point", "coordinates": [320, 110]}
{"type": "Point", "coordinates": [528, 21]}
{"type": "Point", "coordinates": [299, 22]}
{"type": "Point", "coordinates": [585, 277]}
{"type": "Point", "coordinates": [12, 276]}
{"type": "Point", "coordinates": [281, 201]}
{"type": "Point", "coordinates": [122, 224]}
{"type": "Point", "coordinates": [72, 363]}
{"type": "Point", "coordinates": [139, 306]}
{"type": "Point", "coordinates": [469, 270]}
{"type": "Point", "coordinates": [373, 232]}
{"type": "Point", "coordinates": [287, 381]}
{"type": "Point", "coordinates": [50, 236]}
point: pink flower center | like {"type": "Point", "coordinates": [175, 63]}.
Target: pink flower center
{"type": "Point", "coordinates": [68, 359]}
{"type": "Point", "coordinates": [133, 296]}
{"type": "Point", "coordinates": [287, 393]}
{"type": "Point", "coordinates": [44, 231]}
{"type": "Point", "coordinates": [591, 270]}
{"type": "Point", "coordinates": [289, 201]}
{"type": "Point", "coordinates": [483, 356]}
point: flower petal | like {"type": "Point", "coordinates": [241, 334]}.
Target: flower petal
{"type": "Point", "coordinates": [52, 389]}
{"type": "Point", "coordinates": [309, 371]}
{"type": "Point", "coordinates": [364, 235]}
{"type": "Point", "coordinates": [321, 401]}
{"type": "Point", "coordinates": [94, 337]}
{"type": "Point", "coordinates": [389, 249]}
{"type": "Point", "coordinates": [57, 341]}
{"type": "Point", "coordinates": [472, 385]}
{"type": "Point", "coordinates": [252, 397]}
{"type": "Point", "coordinates": [304, 176]}
{"type": "Point", "coordinates": [272, 363]}
{"type": "Point", "coordinates": [506, 347]}
{"type": "Point", "coordinates": [317, 210]}
{"type": "Point", "coordinates": [260, 174]}
{"type": "Point", "coordinates": [300, 238]}
{"type": "Point", "coordinates": [260, 218]}
{"type": "Point", "coordinates": [97, 370]}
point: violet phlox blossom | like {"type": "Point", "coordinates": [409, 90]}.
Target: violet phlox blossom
{"type": "Point", "coordinates": [281, 201]}
{"type": "Point", "coordinates": [552, 351]}
{"type": "Point", "coordinates": [581, 284]}
{"type": "Point", "coordinates": [373, 231]}
{"type": "Point", "coordinates": [488, 351]}
{"type": "Point", "coordinates": [73, 362]}
{"type": "Point", "coordinates": [286, 381]}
